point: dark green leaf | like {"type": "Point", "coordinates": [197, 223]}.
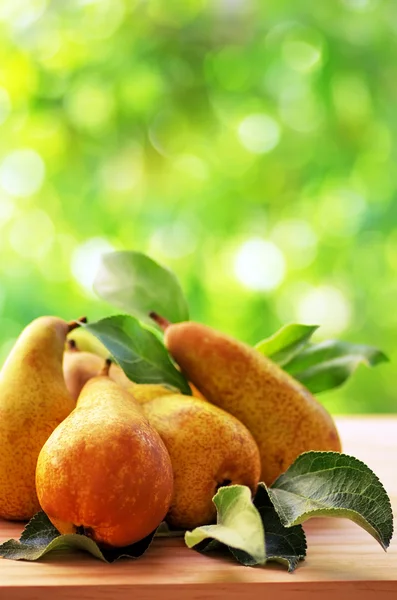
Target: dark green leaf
{"type": "Point", "coordinates": [138, 351]}
{"type": "Point", "coordinates": [40, 537]}
{"type": "Point", "coordinates": [286, 343]}
{"type": "Point", "coordinates": [329, 484]}
{"type": "Point", "coordinates": [285, 545]}
{"type": "Point", "coordinates": [164, 530]}
{"type": "Point", "coordinates": [328, 364]}
{"type": "Point", "coordinates": [138, 285]}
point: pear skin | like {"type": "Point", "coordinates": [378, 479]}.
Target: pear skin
{"type": "Point", "coordinates": [282, 415]}
{"type": "Point", "coordinates": [196, 392]}
{"type": "Point", "coordinates": [208, 448]}
{"type": "Point", "coordinates": [105, 469]}
{"type": "Point", "coordinates": [33, 401]}
{"type": "Point", "coordinates": [145, 392]}
{"type": "Point", "coordinates": [80, 366]}
{"type": "Point", "coordinates": [87, 342]}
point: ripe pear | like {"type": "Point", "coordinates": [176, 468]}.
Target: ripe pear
{"type": "Point", "coordinates": [282, 415]}
{"type": "Point", "coordinates": [145, 392]}
{"type": "Point", "coordinates": [209, 448]}
{"type": "Point", "coordinates": [80, 366]}
{"type": "Point", "coordinates": [87, 342]}
{"type": "Point", "coordinates": [33, 401]}
{"type": "Point", "coordinates": [104, 469]}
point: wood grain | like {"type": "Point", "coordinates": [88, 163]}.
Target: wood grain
{"type": "Point", "coordinates": [342, 559]}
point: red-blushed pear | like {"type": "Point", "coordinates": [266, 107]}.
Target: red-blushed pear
{"type": "Point", "coordinates": [104, 469]}
{"type": "Point", "coordinates": [33, 401]}
{"type": "Point", "coordinates": [282, 415]}
{"type": "Point", "coordinates": [209, 448]}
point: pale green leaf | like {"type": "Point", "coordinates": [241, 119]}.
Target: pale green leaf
{"type": "Point", "coordinates": [286, 545]}
{"type": "Point", "coordinates": [238, 526]}
{"type": "Point", "coordinates": [286, 343]}
{"type": "Point", "coordinates": [138, 285]}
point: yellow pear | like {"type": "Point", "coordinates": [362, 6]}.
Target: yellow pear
{"type": "Point", "coordinates": [104, 470]}
{"type": "Point", "coordinates": [146, 392]}
{"type": "Point", "coordinates": [80, 366]}
{"type": "Point", "coordinates": [209, 448]}
{"type": "Point", "coordinates": [87, 342]}
{"type": "Point", "coordinates": [282, 415]}
{"type": "Point", "coordinates": [33, 401]}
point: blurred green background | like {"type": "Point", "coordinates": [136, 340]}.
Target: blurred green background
{"type": "Point", "coordinates": [248, 145]}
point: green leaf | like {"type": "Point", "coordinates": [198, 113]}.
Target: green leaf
{"type": "Point", "coordinates": [287, 546]}
{"type": "Point", "coordinates": [41, 537]}
{"type": "Point", "coordinates": [238, 526]}
{"type": "Point", "coordinates": [138, 351]}
{"type": "Point", "coordinates": [164, 530]}
{"type": "Point", "coordinates": [138, 285]}
{"type": "Point", "coordinates": [328, 364]}
{"type": "Point", "coordinates": [286, 343]}
{"type": "Point", "coordinates": [329, 484]}
{"type": "Point", "coordinates": [284, 545]}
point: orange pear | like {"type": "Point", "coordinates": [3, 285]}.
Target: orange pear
{"type": "Point", "coordinates": [282, 415]}
{"type": "Point", "coordinates": [209, 448]}
{"type": "Point", "coordinates": [105, 470]}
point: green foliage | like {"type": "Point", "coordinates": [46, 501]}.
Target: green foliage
{"type": "Point", "coordinates": [329, 484]}
{"type": "Point", "coordinates": [40, 537]}
{"type": "Point", "coordinates": [138, 351]}
{"type": "Point", "coordinates": [286, 545]}
{"type": "Point", "coordinates": [246, 145]}
{"type": "Point", "coordinates": [286, 343]}
{"type": "Point", "coordinates": [329, 364]}
{"type": "Point", "coordinates": [317, 484]}
{"type": "Point", "coordinates": [320, 367]}
{"type": "Point", "coordinates": [138, 285]}
{"type": "Point", "coordinates": [238, 526]}
{"type": "Point", "coordinates": [268, 528]}
{"type": "Point", "coordinates": [130, 280]}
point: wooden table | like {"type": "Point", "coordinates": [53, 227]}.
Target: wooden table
{"type": "Point", "coordinates": [343, 561]}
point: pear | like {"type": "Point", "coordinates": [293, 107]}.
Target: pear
{"type": "Point", "coordinates": [209, 448]}
{"type": "Point", "coordinates": [145, 392]}
{"type": "Point", "coordinates": [87, 342]}
{"type": "Point", "coordinates": [104, 470]}
{"type": "Point", "coordinates": [33, 401]}
{"type": "Point", "coordinates": [80, 366]}
{"type": "Point", "coordinates": [282, 415]}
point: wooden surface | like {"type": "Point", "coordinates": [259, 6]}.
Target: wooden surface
{"type": "Point", "coordinates": [342, 559]}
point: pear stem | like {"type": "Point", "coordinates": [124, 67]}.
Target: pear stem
{"type": "Point", "coordinates": [104, 372]}
{"type": "Point", "coordinates": [161, 321]}
{"type": "Point", "coordinates": [74, 324]}
{"type": "Point", "coordinates": [72, 346]}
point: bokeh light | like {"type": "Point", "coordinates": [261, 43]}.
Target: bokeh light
{"type": "Point", "coordinates": [249, 146]}
{"type": "Point", "coordinates": [22, 173]}
{"type": "Point", "coordinates": [259, 265]}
